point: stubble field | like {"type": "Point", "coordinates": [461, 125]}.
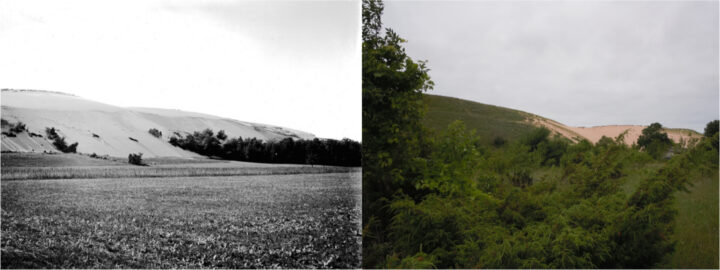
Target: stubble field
{"type": "Point", "coordinates": [244, 221]}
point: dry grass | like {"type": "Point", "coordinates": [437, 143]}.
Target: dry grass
{"type": "Point", "coordinates": [294, 221]}
{"type": "Point", "coordinates": [37, 173]}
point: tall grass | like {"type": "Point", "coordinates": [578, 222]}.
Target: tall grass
{"type": "Point", "coordinates": [696, 228]}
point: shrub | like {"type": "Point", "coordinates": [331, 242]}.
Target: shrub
{"type": "Point", "coordinates": [499, 141]}
{"type": "Point", "coordinates": [59, 142]}
{"type": "Point", "coordinates": [711, 128]}
{"type": "Point", "coordinates": [51, 133]}
{"type": "Point", "coordinates": [71, 149]}
{"type": "Point", "coordinates": [9, 134]}
{"type": "Point", "coordinates": [132, 139]}
{"type": "Point", "coordinates": [96, 136]}
{"type": "Point", "coordinates": [654, 141]}
{"type": "Point", "coordinates": [19, 127]}
{"type": "Point", "coordinates": [155, 132]}
{"type": "Point", "coordinates": [135, 159]}
{"type": "Point", "coordinates": [521, 178]}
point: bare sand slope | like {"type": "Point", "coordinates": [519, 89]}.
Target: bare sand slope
{"type": "Point", "coordinates": [594, 134]}
{"type": "Point", "coordinates": [109, 130]}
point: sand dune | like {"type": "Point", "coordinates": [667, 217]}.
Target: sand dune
{"type": "Point", "coordinates": [107, 130]}
{"type": "Point", "coordinates": [594, 134]}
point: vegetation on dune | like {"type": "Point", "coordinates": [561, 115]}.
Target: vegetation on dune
{"type": "Point", "coordinates": [14, 129]}
{"type": "Point", "coordinates": [345, 152]}
{"type": "Point", "coordinates": [59, 141]}
{"type": "Point", "coordinates": [155, 132]}
{"type": "Point", "coordinates": [449, 199]}
{"type": "Point", "coordinates": [488, 121]}
{"type": "Point", "coordinates": [294, 221]}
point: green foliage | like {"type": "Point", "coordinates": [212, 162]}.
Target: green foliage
{"type": "Point", "coordinates": [711, 128]}
{"type": "Point", "coordinates": [499, 141]}
{"type": "Point", "coordinates": [445, 200]}
{"type": "Point", "coordinates": [488, 121]}
{"type": "Point", "coordinates": [392, 86]}
{"type": "Point", "coordinates": [654, 141]}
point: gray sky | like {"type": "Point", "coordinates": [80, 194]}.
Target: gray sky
{"type": "Point", "coordinates": [287, 63]}
{"type": "Point", "coordinates": [583, 63]}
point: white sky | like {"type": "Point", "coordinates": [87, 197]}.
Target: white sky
{"type": "Point", "coordinates": [583, 63]}
{"type": "Point", "coordinates": [292, 64]}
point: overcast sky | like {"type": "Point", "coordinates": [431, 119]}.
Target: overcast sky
{"type": "Point", "coordinates": [581, 63]}
{"type": "Point", "coordinates": [292, 64]}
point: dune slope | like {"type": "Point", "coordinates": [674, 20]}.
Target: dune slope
{"type": "Point", "coordinates": [115, 131]}
{"type": "Point", "coordinates": [493, 121]}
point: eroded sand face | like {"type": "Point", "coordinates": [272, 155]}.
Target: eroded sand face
{"type": "Point", "coordinates": [594, 134]}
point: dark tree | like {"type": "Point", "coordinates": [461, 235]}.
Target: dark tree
{"type": "Point", "coordinates": [135, 159]}
{"type": "Point", "coordinates": [392, 87]}
{"type": "Point", "coordinates": [711, 128]}
{"type": "Point", "coordinates": [221, 135]}
{"type": "Point", "coordinates": [654, 141]}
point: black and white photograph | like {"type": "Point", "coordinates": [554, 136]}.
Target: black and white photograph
{"type": "Point", "coordinates": [181, 134]}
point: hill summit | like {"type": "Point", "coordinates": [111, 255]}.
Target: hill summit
{"type": "Point", "coordinates": [491, 122]}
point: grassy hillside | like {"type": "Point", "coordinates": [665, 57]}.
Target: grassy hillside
{"type": "Point", "coordinates": [487, 120]}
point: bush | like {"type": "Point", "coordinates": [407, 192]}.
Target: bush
{"type": "Point", "coordinates": [654, 141]}
{"type": "Point", "coordinates": [135, 159]}
{"type": "Point", "coordinates": [711, 128]}
{"type": "Point", "coordinates": [71, 149]}
{"type": "Point", "coordinates": [59, 142]}
{"type": "Point", "coordinates": [51, 133]}
{"type": "Point", "coordinates": [155, 132]}
{"type": "Point", "coordinates": [19, 127]}
{"type": "Point", "coordinates": [499, 141]}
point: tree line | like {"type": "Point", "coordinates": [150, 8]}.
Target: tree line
{"type": "Point", "coordinates": [343, 152]}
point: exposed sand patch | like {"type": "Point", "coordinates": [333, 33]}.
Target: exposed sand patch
{"type": "Point", "coordinates": [594, 134]}
{"type": "Point", "coordinates": [106, 130]}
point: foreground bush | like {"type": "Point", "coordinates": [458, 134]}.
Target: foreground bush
{"type": "Point", "coordinates": [135, 159]}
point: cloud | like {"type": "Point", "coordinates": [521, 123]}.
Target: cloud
{"type": "Point", "coordinates": [582, 63]}
{"type": "Point", "coordinates": [291, 64]}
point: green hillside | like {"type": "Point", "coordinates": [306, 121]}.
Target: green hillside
{"type": "Point", "coordinates": [487, 120]}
